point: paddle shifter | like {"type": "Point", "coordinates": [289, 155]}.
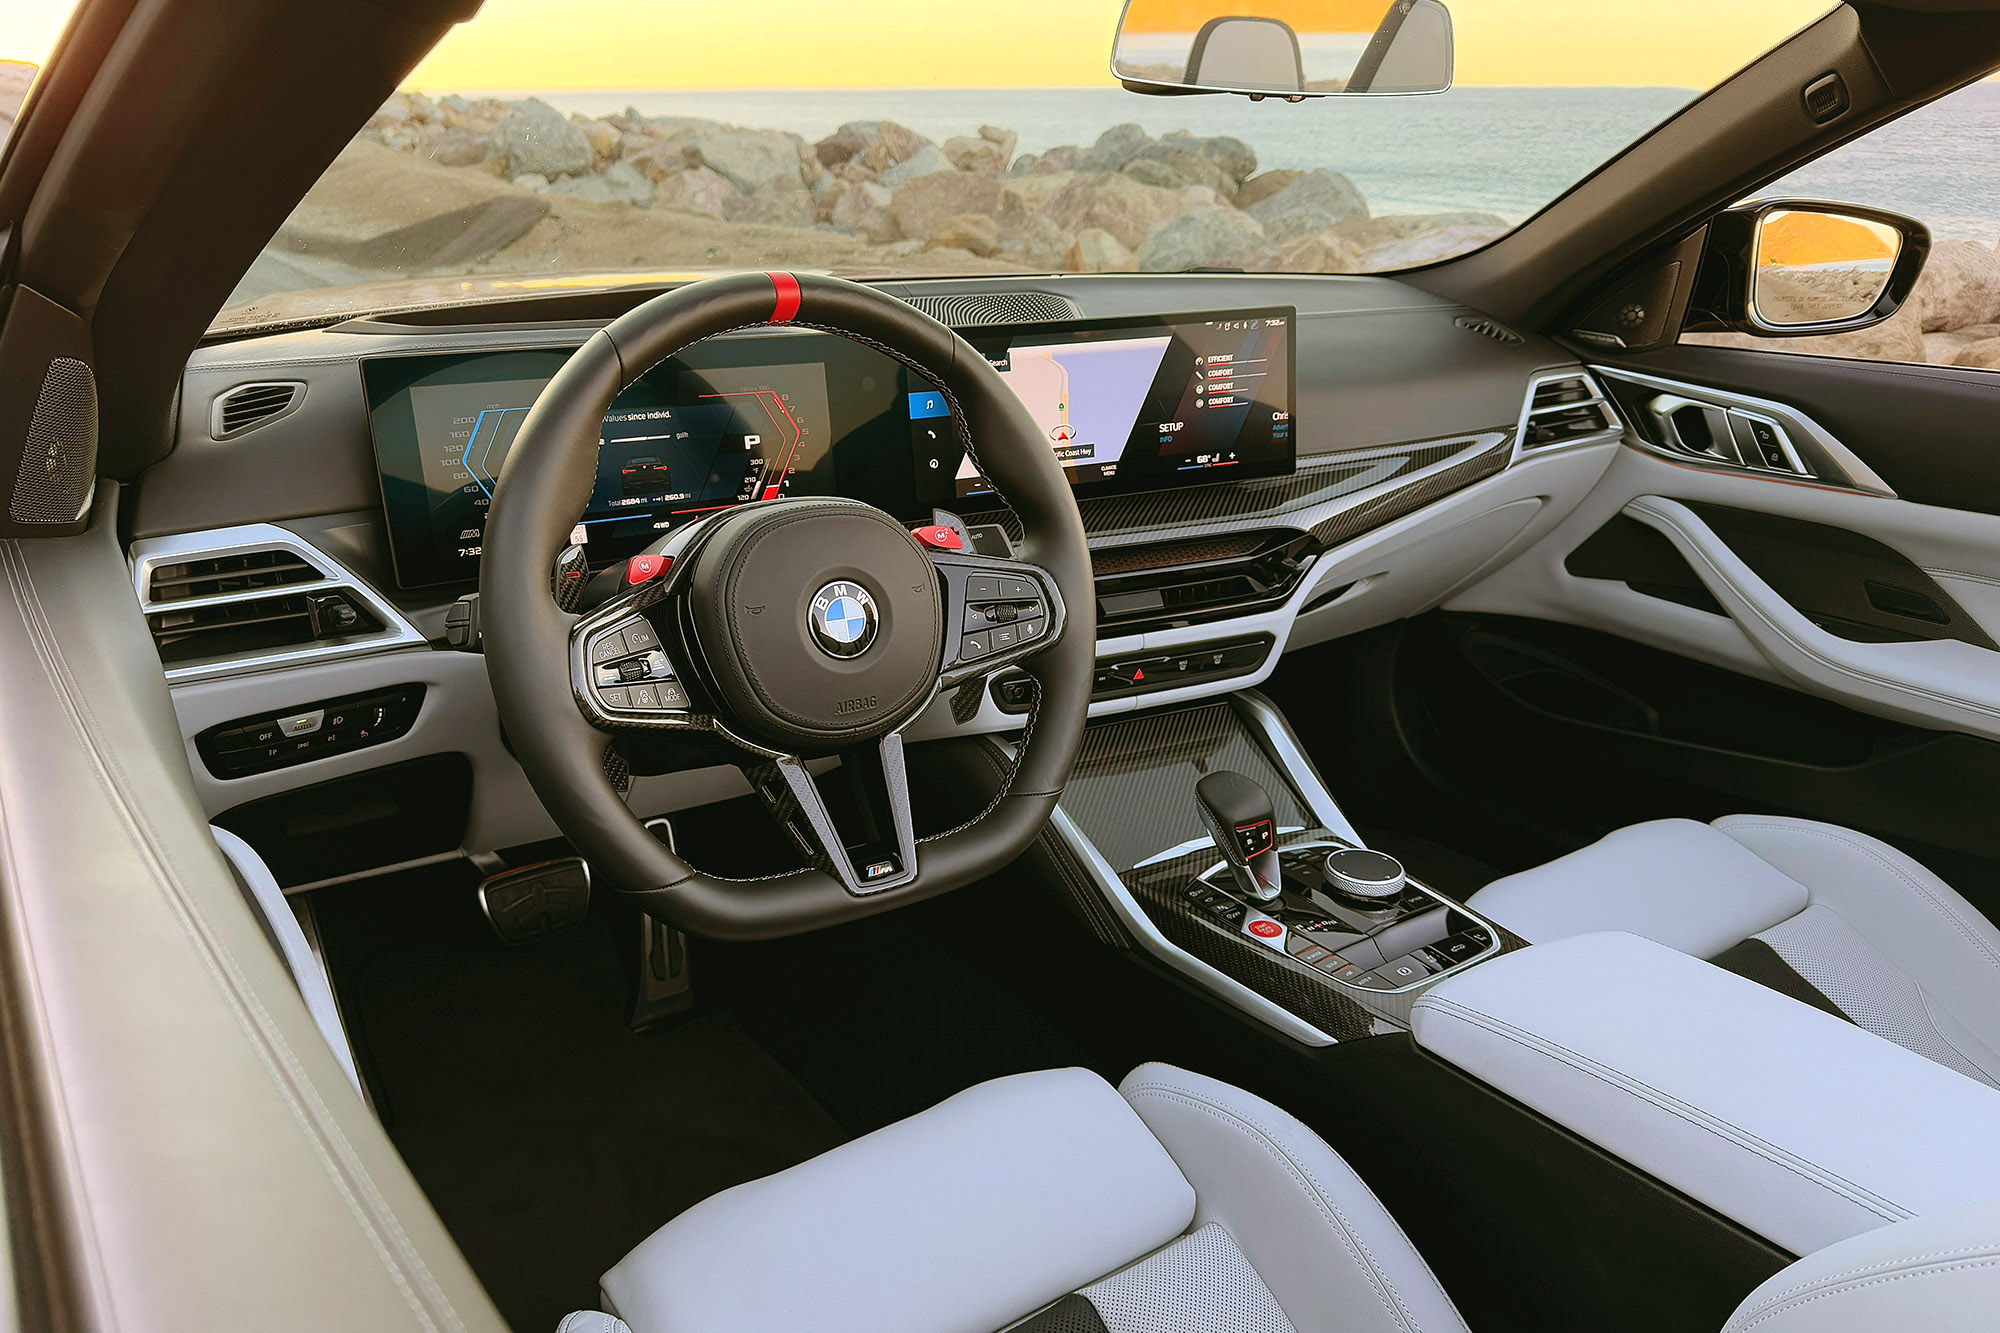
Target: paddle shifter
{"type": "Point", "coordinates": [1240, 818]}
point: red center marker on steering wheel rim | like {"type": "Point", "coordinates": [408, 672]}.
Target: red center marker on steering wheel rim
{"type": "Point", "coordinates": [789, 296]}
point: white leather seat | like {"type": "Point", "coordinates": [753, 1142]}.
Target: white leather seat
{"type": "Point", "coordinates": [1052, 1203]}
{"type": "Point", "coordinates": [1171, 1202]}
{"type": "Point", "coordinates": [1886, 942]}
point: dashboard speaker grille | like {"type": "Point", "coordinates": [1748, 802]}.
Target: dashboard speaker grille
{"type": "Point", "coordinates": [59, 460]}
{"type": "Point", "coordinates": [1487, 327]}
{"type": "Point", "coordinates": [961, 312]}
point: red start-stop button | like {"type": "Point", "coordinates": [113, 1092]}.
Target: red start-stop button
{"type": "Point", "coordinates": [1266, 930]}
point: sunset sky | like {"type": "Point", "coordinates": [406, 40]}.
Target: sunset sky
{"type": "Point", "coordinates": [559, 44]}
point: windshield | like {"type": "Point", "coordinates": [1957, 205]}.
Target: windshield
{"type": "Point", "coordinates": [613, 141]}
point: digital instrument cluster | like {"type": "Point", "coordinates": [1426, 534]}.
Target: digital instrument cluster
{"type": "Point", "coordinates": [1128, 404]}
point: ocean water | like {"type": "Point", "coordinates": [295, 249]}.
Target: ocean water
{"type": "Point", "coordinates": [1494, 150]}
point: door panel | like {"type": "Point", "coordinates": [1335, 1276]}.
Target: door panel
{"type": "Point", "coordinates": [1927, 431]}
{"type": "Point", "coordinates": [1883, 603]}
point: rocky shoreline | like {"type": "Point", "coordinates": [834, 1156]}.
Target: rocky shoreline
{"type": "Point", "coordinates": [449, 187]}
{"type": "Point", "coordinates": [873, 194]}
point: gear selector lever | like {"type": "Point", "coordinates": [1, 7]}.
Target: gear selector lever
{"type": "Point", "coordinates": [1240, 818]}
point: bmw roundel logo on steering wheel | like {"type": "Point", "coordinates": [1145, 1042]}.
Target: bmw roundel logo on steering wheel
{"type": "Point", "coordinates": [843, 619]}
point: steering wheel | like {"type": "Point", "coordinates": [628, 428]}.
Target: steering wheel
{"type": "Point", "coordinates": [794, 628]}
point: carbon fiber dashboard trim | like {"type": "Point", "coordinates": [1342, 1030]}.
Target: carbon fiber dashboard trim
{"type": "Point", "coordinates": [1295, 501]}
{"type": "Point", "coordinates": [1373, 513]}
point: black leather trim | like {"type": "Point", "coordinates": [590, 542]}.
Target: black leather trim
{"type": "Point", "coordinates": [1754, 960]}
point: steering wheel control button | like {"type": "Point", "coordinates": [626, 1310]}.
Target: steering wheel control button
{"type": "Point", "coordinates": [982, 588]}
{"type": "Point", "coordinates": [843, 619]}
{"type": "Point", "coordinates": [1016, 590]}
{"type": "Point", "coordinates": [975, 646]}
{"type": "Point", "coordinates": [642, 568]}
{"type": "Point", "coordinates": [1031, 629]}
{"type": "Point", "coordinates": [645, 696]}
{"type": "Point", "coordinates": [615, 696]}
{"type": "Point", "coordinates": [939, 537]}
{"type": "Point", "coordinates": [639, 636]}
{"type": "Point", "coordinates": [302, 724]}
{"type": "Point", "coordinates": [607, 647]}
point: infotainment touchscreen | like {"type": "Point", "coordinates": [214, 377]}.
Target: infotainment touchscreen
{"type": "Point", "coordinates": [1143, 403]}
{"type": "Point", "coordinates": [1125, 404]}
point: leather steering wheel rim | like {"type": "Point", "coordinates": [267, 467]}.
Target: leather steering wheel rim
{"type": "Point", "coordinates": [546, 482]}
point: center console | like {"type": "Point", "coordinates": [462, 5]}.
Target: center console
{"type": "Point", "coordinates": [1204, 838]}
{"type": "Point", "coordinates": [1790, 1122]}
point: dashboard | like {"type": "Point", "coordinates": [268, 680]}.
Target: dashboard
{"type": "Point", "coordinates": [1124, 405]}
{"type": "Point", "coordinates": [1299, 458]}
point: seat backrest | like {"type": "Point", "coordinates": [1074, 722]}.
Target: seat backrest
{"type": "Point", "coordinates": [1939, 1273]}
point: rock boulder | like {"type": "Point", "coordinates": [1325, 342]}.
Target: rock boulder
{"type": "Point", "coordinates": [1205, 236]}
{"type": "Point", "coordinates": [1959, 287]}
{"type": "Point", "coordinates": [1262, 186]}
{"type": "Point", "coordinates": [1097, 251]}
{"type": "Point", "coordinates": [977, 233]}
{"type": "Point", "coordinates": [698, 190]}
{"type": "Point", "coordinates": [1113, 149]}
{"type": "Point", "coordinates": [863, 207]}
{"type": "Point", "coordinates": [747, 159]}
{"type": "Point", "coordinates": [925, 203]}
{"type": "Point", "coordinates": [619, 183]}
{"type": "Point", "coordinates": [981, 156]}
{"type": "Point", "coordinates": [1115, 203]}
{"type": "Point", "coordinates": [536, 139]}
{"type": "Point", "coordinates": [1313, 202]}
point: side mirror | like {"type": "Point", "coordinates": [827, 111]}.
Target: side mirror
{"type": "Point", "coordinates": [1319, 48]}
{"type": "Point", "coordinates": [1787, 268]}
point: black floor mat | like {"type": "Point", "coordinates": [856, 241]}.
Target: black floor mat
{"type": "Point", "coordinates": [550, 1137]}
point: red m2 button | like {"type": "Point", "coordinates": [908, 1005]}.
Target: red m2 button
{"type": "Point", "coordinates": [939, 538]}
{"type": "Point", "coordinates": [642, 567]}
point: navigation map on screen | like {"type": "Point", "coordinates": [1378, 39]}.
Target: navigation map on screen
{"type": "Point", "coordinates": [1159, 402]}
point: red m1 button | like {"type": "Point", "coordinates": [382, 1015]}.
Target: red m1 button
{"type": "Point", "coordinates": [939, 538]}
{"type": "Point", "coordinates": [642, 567]}
{"type": "Point", "coordinates": [1266, 930]}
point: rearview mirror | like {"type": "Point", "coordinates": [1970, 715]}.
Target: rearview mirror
{"type": "Point", "coordinates": [1292, 49]}
{"type": "Point", "coordinates": [1785, 268]}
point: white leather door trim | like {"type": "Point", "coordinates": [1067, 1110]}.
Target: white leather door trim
{"type": "Point", "coordinates": [1934, 681]}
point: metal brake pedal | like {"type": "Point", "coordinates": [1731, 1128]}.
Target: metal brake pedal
{"type": "Point", "coordinates": [666, 986]}
{"type": "Point", "coordinates": [534, 902]}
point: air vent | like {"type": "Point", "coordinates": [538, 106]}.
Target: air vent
{"type": "Point", "coordinates": [252, 598]}
{"type": "Point", "coordinates": [1488, 328]}
{"type": "Point", "coordinates": [962, 312]}
{"type": "Point", "coordinates": [248, 406]}
{"type": "Point", "coordinates": [1182, 584]}
{"type": "Point", "coordinates": [220, 575]}
{"type": "Point", "coordinates": [1564, 409]}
